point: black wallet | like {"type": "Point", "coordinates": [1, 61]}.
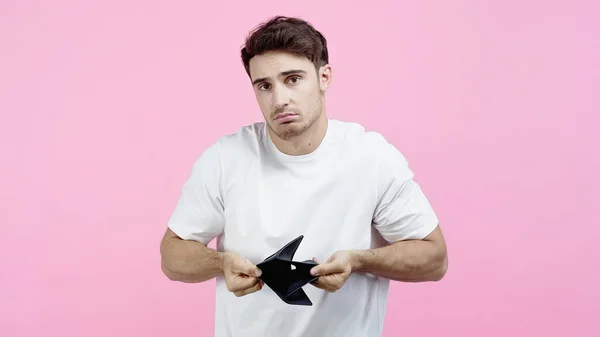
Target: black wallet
{"type": "Point", "coordinates": [287, 277]}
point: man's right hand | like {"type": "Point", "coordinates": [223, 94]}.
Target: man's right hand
{"type": "Point", "coordinates": [241, 276]}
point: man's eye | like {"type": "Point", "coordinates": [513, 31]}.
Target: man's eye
{"type": "Point", "coordinates": [294, 79]}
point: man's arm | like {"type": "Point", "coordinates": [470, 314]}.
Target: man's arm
{"type": "Point", "coordinates": [197, 219]}
{"type": "Point", "coordinates": [189, 261]}
{"type": "Point", "coordinates": [407, 261]}
{"type": "Point", "coordinates": [405, 219]}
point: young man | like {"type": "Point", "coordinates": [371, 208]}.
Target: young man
{"type": "Point", "coordinates": [347, 190]}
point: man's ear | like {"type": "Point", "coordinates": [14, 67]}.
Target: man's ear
{"type": "Point", "coordinates": [325, 77]}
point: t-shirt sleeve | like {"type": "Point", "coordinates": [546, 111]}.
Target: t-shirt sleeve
{"type": "Point", "coordinates": [199, 212]}
{"type": "Point", "coordinates": [403, 211]}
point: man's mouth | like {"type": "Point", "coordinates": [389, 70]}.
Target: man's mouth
{"type": "Point", "coordinates": [285, 117]}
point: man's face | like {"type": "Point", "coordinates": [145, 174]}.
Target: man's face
{"type": "Point", "coordinates": [289, 91]}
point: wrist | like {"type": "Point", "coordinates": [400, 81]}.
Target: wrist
{"type": "Point", "coordinates": [221, 256]}
{"type": "Point", "coordinates": [359, 260]}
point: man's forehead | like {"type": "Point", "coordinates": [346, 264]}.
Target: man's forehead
{"type": "Point", "coordinates": [274, 64]}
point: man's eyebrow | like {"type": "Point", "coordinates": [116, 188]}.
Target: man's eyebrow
{"type": "Point", "coordinates": [285, 73]}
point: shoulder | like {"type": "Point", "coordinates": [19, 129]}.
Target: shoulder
{"type": "Point", "coordinates": [375, 151]}
{"type": "Point", "coordinates": [246, 139]}
{"type": "Point", "coordinates": [224, 157]}
{"type": "Point", "coordinates": [353, 131]}
{"type": "Point", "coordinates": [365, 141]}
{"type": "Point", "coordinates": [238, 148]}
{"type": "Point", "coordinates": [247, 136]}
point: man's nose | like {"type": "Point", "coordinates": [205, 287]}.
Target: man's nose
{"type": "Point", "coordinates": [280, 97]}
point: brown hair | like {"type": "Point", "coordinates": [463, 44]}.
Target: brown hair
{"type": "Point", "coordinates": [286, 34]}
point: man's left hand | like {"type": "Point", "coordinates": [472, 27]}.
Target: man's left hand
{"type": "Point", "coordinates": [334, 272]}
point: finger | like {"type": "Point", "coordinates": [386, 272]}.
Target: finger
{"type": "Point", "coordinates": [325, 285]}
{"type": "Point", "coordinates": [247, 291]}
{"type": "Point", "coordinates": [317, 262]}
{"type": "Point", "coordinates": [318, 284]}
{"type": "Point", "coordinates": [258, 286]}
{"type": "Point", "coordinates": [241, 283]}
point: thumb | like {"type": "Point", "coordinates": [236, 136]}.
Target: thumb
{"type": "Point", "coordinates": [249, 268]}
{"type": "Point", "coordinates": [326, 268]}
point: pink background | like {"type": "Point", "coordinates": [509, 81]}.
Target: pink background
{"type": "Point", "coordinates": [106, 104]}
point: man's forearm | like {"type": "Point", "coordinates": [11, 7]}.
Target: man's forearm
{"type": "Point", "coordinates": [190, 261]}
{"type": "Point", "coordinates": [407, 261]}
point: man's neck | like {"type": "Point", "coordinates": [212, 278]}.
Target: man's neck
{"type": "Point", "coordinates": [306, 143]}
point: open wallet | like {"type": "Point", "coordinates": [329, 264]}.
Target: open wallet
{"type": "Point", "coordinates": [287, 277]}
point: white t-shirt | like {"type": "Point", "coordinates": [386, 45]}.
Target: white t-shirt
{"type": "Point", "coordinates": [355, 191]}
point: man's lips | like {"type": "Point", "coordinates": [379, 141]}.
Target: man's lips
{"type": "Point", "coordinates": [285, 117]}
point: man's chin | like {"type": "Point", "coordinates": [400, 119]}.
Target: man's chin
{"type": "Point", "coordinates": [287, 131]}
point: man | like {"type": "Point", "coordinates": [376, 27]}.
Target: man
{"type": "Point", "coordinates": [347, 190]}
